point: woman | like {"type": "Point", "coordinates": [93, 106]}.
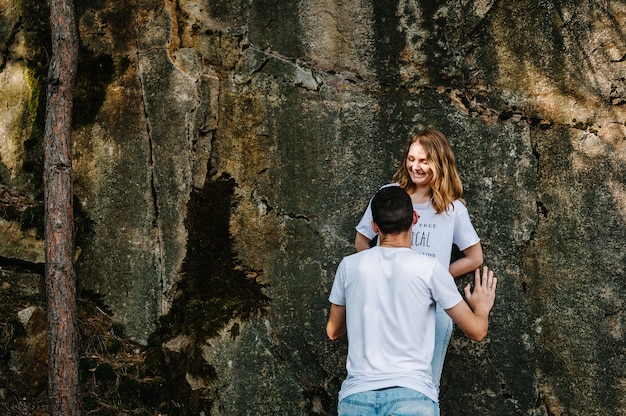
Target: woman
{"type": "Point", "coordinates": [428, 174]}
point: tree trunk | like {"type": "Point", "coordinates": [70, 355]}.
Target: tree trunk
{"type": "Point", "coordinates": [63, 383]}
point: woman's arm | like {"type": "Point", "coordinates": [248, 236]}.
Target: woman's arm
{"type": "Point", "coordinates": [361, 242]}
{"type": "Point", "coordinates": [473, 258]}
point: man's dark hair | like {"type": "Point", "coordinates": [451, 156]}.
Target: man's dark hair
{"type": "Point", "coordinates": [392, 210]}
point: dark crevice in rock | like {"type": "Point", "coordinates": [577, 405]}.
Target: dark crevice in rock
{"type": "Point", "coordinates": [153, 185]}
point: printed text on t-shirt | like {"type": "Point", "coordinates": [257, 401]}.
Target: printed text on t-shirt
{"type": "Point", "coordinates": [420, 239]}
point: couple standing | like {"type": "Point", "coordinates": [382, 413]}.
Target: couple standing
{"type": "Point", "coordinates": [396, 301]}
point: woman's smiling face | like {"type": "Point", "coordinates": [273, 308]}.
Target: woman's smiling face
{"type": "Point", "coordinates": [419, 171]}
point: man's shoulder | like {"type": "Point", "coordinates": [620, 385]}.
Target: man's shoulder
{"type": "Point", "coordinates": [422, 258]}
{"type": "Point", "coordinates": [423, 262]}
{"type": "Point", "coordinates": [354, 257]}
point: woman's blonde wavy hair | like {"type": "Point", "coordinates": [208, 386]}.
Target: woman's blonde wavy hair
{"type": "Point", "coordinates": [446, 186]}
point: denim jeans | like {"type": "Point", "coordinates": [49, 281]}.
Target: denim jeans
{"type": "Point", "coordinates": [395, 401]}
{"type": "Point", "coordinates": [443, 333]}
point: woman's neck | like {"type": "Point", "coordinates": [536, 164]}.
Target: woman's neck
{"type": "Point", "coordinates": [421, 195]}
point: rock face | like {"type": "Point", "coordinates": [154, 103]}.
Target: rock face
{"type": "Point", "coordinates": [225, 150]}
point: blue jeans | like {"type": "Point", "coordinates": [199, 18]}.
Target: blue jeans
{"type": "Point", "coordinates": [394, 401]}
{"type": "Point", "coordinates": [443, 333]}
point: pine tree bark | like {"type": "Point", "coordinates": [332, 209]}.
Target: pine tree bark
{"type": "Point", "coordinates": [63, 381]}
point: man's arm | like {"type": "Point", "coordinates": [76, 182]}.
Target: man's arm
{"type": "Point", "coordinates": [472, 315]}
{"type": "Point", "coordinates": [336, 326]}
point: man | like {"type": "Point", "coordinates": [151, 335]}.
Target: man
{"type": "Point", "coordinates": [384, 298]}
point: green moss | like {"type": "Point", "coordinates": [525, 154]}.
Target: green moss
{"type": "Point", "coordinates": [36, 77]}
{"type": "Point", "coordinates": [36, 29]}
{"type": "Point", "coordinates": [35, 84]}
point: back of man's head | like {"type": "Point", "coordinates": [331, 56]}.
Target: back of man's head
{"type": "Point", "coordinates": [392, 210]}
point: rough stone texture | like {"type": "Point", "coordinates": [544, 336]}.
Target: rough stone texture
{"type": "Point", "coordinates": [224, 151]}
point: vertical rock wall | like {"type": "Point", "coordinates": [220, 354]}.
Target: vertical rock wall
{"type": "Point", "coordinates": [224, 152]}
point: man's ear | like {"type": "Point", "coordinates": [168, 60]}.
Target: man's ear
{"type": "Point", "coordinates": [415, 217]}
{"type": "Point", "coordinates": [375, 228]}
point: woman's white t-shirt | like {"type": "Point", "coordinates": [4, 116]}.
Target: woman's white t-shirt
{"type": "Point", "coordinates": [434, 234]}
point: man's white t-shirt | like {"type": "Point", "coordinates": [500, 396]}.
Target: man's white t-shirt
{"type": "Point", "coordinates": [390, 296]}
{"type": "Point", "coordinates": [434, 234]}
